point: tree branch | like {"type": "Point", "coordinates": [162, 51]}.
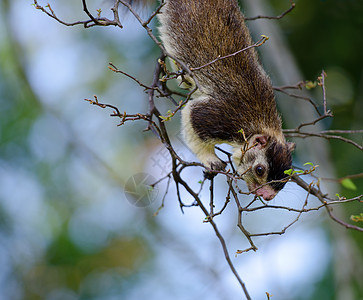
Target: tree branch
{"type": "Point", "coordinates": [272, 17]}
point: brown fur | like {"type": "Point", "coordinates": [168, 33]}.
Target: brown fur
{"type": "Point", "coordinates": [239, 88]}
{"type": "Point", "coordinates": [236, 92]}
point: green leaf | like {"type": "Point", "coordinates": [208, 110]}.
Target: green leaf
{"type": "Point", "coordinates": [167, 118]}
{"type": "Point", "coordinates": [310, 85]}
{"type": "Point", "coordinates": [309, 164]}
{"type": "Point", "coordinates": [298, 172]}
{"type": "Point", "coordinates": [349, 184]}
{"type": "Point", "coordinates": [291, 172]}
{"type": "Point", "coordinates": [99, 11]}
{"type": "Point", "coordinates": [241, 131]}
{"type": "Point", "coordinates": [358, 218]}
{"type": "Point", "coordinates": [288, 172]}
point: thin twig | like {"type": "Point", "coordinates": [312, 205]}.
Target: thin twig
{"type": "Point", "coordinates": [341, 131]}
{"type": "Point", "coordinates": [293, 222]}
{"type": "Point", "coordinates": [87, 23]}
{"type": "Point", "coordinates": [273, 18]}
{"type": "Point", "coordinates": [239, 222]}
{"type": "Point", "coordinates": [113, 68]}
{"type": "Point", "coordinates": [321, 197]}
{"type": "Point", "coordinates": [178, 179]}
{"type": "Point", "coordinates": [328, 115]}
{"type": "Point", "coordinates": [85, 9]}
{"type": "Point", "coordinates": [293, 133]}
{"type": "Point", "coordinates": [185, 68]}
{"type": "Point", "coordinates": [359, 175]}
{"type": "Point", "coordinates": [163, 200]}
{"type": "Point", "coordinates": [211, 199]}
{"type": "Point", "coordinates": [282, 90]}
{"type": "Point", "coordinates": [322, 84]}
{"type": "Point", "coordinates": [153, 15]}
{"type": "Point", "coordinates": [257, 44]}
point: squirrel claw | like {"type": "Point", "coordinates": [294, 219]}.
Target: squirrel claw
{"type": "Point", "coordinates": [209, 174]}
{"type": "Point", "coordinates": [217, 166]}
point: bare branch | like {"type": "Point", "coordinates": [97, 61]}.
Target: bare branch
{"type": "Point", "coordinates": [273, 18]}
{"type": "Point", "coordinates": [328, 115]}
{"type": "Point", "coordinates": [342, 131]}
{"type": "Point", "coordinates": [282, 90]}
{"type": "Point", "coordinates": [359, 175]}
{"type": "Point", "coordinates": [113, 68]}
{"type": "Point", "coordinates": [166, 192]}
{"type": "Point", "coordinates": [153, 15]}
{"type": "Point", "coordinates": [322, 84]}
{"type": "Point", "coordinates": [257, 44]}
{"type": "Point", "coordinates": [87, 23]}
{"type": "Point", "coordinates": [321, 197]}
{"type": "Point", "coordinates": [293, 133]}
{"type": "Point", "coordinates": [178, 179]}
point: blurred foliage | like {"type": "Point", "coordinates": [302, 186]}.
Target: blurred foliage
{"type": "Point", "coordinates": [58, 263]}
{"type": "Point", "coordinates": [328, 34]}
{"type": "Point", "coordinates": [67, 266]}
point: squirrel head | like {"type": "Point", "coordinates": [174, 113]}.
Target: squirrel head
{"type": "Point", "coordinates": [262, 163]}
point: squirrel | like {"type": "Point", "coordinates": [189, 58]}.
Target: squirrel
{"type": "Point", "coordinates": [235, 103]}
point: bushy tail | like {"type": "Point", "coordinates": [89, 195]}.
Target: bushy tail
{"type": "Point", "coordinates": [199, 31]}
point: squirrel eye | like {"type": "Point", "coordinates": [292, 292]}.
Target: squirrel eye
{"type": "Point", "coordinates": [260, 170]}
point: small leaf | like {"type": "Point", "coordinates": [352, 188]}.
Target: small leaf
{"type": "Point", "coordinates": [99, 11]}
{"type": "Point", "coordinates": [241, 131]}
{"type": "Point", "coordinates": [349, 184]}
{"type": "Point", "coordinates": [310, 85]}
{"type": "Point", "coordinates": [358, 218]}
{"type": "Point", "coordinates": [298, 172]}
{"type": "Point", "coordinates": [340, 197]}
{"type": "Point", "coordinates": [309, 164]}
{"type": "Point", "coordinates": [200, 182]}
{"type": "Point", "coordinates": [288, 172]}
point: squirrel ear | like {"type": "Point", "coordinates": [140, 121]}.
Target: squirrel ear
{"type": "Point", "coordinates": [291, 146]}
{"type": "Point", "coordinates": [261, 141]}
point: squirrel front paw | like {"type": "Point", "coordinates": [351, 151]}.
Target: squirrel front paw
{"type": "Point", "coordinates": [218, 165]}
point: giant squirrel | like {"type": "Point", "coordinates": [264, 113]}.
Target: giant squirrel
{"type": "Point", "coordinates": [235, 103]}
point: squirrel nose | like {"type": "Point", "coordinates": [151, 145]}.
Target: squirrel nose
{"type": "Point", "coordinates": [266, 192]}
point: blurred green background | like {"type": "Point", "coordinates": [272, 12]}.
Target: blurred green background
{"type": "Point", "coordinates": [66, 229]}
